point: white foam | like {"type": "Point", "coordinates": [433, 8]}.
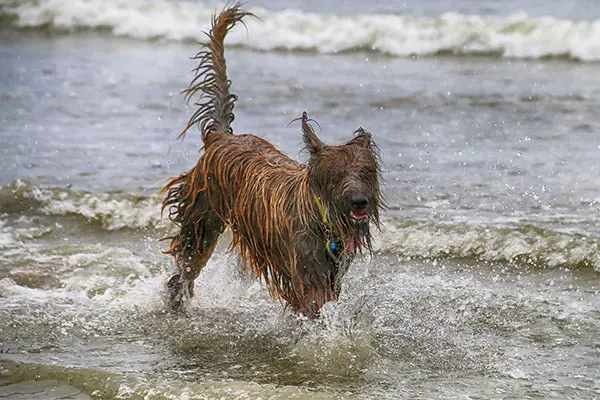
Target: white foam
{"type": "Point", "coordinates": [113, 211]}
{"type": "Point", "coordinates": [517, 35]}
{"type": "Point", "coordinates": [509, 242]}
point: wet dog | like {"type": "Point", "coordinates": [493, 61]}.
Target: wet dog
{"type": "Point", "coordinates": [297, 226]}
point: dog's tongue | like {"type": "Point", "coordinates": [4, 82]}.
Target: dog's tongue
{"type": "Point", "coordinates": [359, 215]}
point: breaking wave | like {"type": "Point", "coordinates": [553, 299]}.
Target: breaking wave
{"type": "Point", "coordinates": [516, 36]}
{"type": "Point", "coordinates": [112, 211]}
{"type": "Point", "coordinates": [519, 243]}
{"type": "Point", "coordinates": [513, 243]}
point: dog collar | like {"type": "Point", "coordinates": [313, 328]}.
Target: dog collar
{"type": "Point", "coordinates": [322, 211]}
{"type": "Point", "coordinates": [331, 245]}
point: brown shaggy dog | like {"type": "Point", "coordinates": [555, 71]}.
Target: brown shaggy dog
{"type": "Point", "coordinates": [296, 226]}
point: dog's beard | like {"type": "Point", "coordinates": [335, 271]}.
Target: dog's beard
{"type": "Point", "coordinates": [362, 235]}
{"type": "Point", "coordinates": [358, 237]}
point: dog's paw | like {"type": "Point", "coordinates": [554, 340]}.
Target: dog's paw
{"type": "Point", "coordinates": [178, 294]}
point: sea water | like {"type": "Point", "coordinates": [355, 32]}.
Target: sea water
{"type": "Point", "coordinates": [485, 277]}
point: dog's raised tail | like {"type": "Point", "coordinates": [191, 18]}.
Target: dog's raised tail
{"type": "Point", "coordinates": [215, 104]}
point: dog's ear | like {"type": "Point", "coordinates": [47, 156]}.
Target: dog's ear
{"type": "Point", "coordinates": [362, 137]}
{"type": "Point", "coordinates": [312, 142]}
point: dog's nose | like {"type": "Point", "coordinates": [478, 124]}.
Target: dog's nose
{"type": "Point", "coordinates": [359, 201]}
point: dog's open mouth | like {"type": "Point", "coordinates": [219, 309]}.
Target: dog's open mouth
{"type": "Point", "coordinates": [359, 215]}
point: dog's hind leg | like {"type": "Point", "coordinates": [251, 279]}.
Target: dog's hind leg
{"type": "Point", "coordinates": [191, 248]}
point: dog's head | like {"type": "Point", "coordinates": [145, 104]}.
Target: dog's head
{"type": "Point", "coordinates": [346, 180]}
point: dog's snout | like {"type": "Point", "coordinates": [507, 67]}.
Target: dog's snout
{"type": "Point", "coordinates": [359, 201]}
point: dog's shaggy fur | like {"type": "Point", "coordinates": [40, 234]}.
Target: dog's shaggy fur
{"type": "Point", "coordinates": [297, 226]}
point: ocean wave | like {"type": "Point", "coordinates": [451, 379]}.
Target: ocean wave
{"type": "Point", "coordinates": [519, 243]}
{"type": "Point", "coordinates": [104, 384]}
{"type": "Point", "coordinates": [516, 36]}
{"type": "Point", "coordinates": [113, 211]}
